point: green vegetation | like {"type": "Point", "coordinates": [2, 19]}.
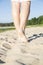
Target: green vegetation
{"type": "Point", "coordinates": [35, 21]}
{"type": "Point", "coordinates": [6, 24]}
{"type": "Point", "coordinates": [5, 29]}
{"type": "Point", "coordinates": [30, 23]}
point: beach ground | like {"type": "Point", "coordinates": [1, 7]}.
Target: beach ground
{"type": "Point", "coordinates": [13, 52]}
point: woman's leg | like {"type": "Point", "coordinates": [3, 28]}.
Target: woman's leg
{"type": "Point", "coordinates": [24, 14]}
{"type": "Point", "coordinates": [16, 14]}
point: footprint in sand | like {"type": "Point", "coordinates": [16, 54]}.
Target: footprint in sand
{"type": "Point", "coordinates": [3, 51]}
{"type": "Point", "coordinates": [35, 62]}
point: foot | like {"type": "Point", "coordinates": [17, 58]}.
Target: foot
{"type": "Point", "coordinates": [21, 36]}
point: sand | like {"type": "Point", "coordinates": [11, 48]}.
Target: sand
{"type": "Point", "coordinates": [14, 53]}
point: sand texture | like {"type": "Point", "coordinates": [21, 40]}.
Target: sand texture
{"type": "Point", "coordinates": [14, 53]}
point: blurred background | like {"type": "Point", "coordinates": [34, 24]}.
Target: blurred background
{"type": "Point", "coordinates": [35, 18]}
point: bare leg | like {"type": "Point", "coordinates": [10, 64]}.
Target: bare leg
{"type": "Point", "coordinates": [16, 14]}
{"type": "Point", "coordinates": [24, 13]}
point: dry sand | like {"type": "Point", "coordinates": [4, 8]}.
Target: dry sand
{"type": "Point", "coordinates": [14, 53]}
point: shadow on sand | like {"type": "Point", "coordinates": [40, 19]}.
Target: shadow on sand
{"type": "Point", "coordinates": [2, 62]}
{"type": "Point", "coordinates": [35, 36]}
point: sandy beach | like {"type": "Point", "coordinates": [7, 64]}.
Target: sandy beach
{"type": "Point", "coordinates": [14, 53]}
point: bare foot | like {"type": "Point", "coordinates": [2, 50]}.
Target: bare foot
{"type": "Point", "coordinates": [22, 36]}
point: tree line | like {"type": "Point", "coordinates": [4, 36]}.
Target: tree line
{"type": "Point", "coordinates": [33, 21]}
{"type": "Point", "coordinates": [6, 24]}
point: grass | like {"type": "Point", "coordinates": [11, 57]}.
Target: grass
{"type": "Point", "coordinates": [13, 28]}
{"type": "Point", "coordinates": [6, 29]}
{"type": "Point", "coordinates": [40, 25]}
